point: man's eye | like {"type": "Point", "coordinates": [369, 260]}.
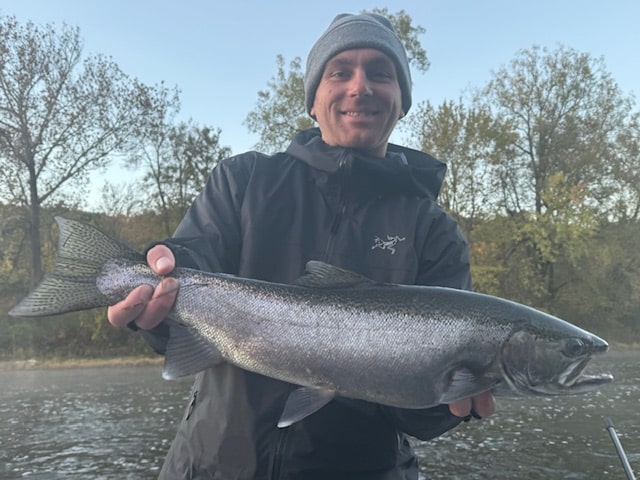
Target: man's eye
{"type": "Point", "coordinates": [381, 75]}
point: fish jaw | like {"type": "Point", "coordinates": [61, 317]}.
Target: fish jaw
{"type": "Point", "coordinates": [573, 380]}
{"type": "Point", "coordinates": [533, 364]}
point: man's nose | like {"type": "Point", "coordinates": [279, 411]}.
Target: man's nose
{"type": "Point", "coordinates": [360, 84]}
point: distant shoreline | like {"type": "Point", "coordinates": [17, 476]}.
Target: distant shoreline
{"type": "Point", "coordinates": [41, 364]}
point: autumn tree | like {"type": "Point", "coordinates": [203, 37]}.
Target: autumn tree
{"type": "Point", "coordinates": [566, 113]}
{"type": "Point", "coordinates": [470, 140]}
{"type": "Point", "coordinates": [280, 111]}
{"type": "Point", "coordinates": [61, 117]}
{"type": "Point", "coordinates": [624, 199]}
{"type": "Point", "coordinates": [176, 162]}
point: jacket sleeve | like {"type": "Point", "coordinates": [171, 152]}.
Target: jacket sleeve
{"type": "Point", "coordinates": [444, 262]}
{"type": "Point", "coordinates": [445, 259]}
{"type": "Point", "coordinates": [208, 238]}
{"type": "Point", "coordinates": [209, 235]}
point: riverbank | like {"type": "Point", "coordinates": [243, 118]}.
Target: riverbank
{"type": "Point", "coordinates": [40, 364]}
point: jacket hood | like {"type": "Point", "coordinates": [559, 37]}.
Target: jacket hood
{"type": "Point", "coordinates": [403, 170]}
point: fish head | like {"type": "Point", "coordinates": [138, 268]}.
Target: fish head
{"type": "Point", "coordinates": [536, 362]}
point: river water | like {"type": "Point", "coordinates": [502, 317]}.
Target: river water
{"type": "Point", "coordinates": [117, 423]}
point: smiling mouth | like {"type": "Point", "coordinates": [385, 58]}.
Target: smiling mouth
{"type": "Point", "coordinates": [359, 114]}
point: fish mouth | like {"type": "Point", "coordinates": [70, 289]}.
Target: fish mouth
{"type": "Point", "coordinates": [573, 379]}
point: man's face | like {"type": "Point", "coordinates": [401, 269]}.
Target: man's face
{"type": "Point", "coordinates": [358, 100]}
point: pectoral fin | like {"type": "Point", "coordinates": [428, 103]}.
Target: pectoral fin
{"type": "Point", "coordinates": [187, 353]}
{"type": "Point", "coordinates": [464, 384]}
{"type": "Point", "coordinates": [303, 402]}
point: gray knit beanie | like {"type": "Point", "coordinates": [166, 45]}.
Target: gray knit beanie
{"type": "Point", "coordinates": [349, 31]}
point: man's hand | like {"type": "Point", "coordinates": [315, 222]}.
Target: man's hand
{"type": "Point", "coordinates": [483, 405]}
{"type": "Point", "coordinates": [144, 305]}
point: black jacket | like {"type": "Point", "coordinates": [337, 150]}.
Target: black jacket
{"type": "Point", "coordinates": [264, 217]}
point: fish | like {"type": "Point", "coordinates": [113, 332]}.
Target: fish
{"type": "Point", "coordinates": [333, 332]}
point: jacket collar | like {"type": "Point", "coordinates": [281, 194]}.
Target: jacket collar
{"type": "Point", "coordinates": [402, 170]}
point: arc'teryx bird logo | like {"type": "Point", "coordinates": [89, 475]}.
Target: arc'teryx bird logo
{"type": "Point", "coordinates": [388, 244]}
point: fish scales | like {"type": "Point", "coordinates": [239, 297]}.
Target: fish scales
{"type": "Point", "coordinates": [307, 337]}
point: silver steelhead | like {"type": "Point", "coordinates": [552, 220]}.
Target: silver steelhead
{"type": "Point", "coordinates": [333, 332]}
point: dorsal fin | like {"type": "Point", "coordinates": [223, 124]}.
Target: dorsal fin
{"type": "Point", "coordinates": [322, 275]}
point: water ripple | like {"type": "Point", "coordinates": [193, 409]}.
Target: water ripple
{"type": "Point", "coordinates": [108, 424]}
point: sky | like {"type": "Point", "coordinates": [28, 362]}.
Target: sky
{"type": "Point", "coordinates": [221, 53]}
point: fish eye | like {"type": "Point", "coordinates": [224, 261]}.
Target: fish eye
{"type": "Point", "coordinates": [573, 347]}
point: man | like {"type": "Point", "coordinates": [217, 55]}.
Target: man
{"type": "Point", "coordinates": [337, 194]}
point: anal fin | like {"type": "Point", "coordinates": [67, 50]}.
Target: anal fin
{"type": "Point", "coordinates": [302, 402]}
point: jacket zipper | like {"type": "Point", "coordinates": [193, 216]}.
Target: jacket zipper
{"type": "Point", "coordinates": [278, 457]}
{"type": "Point", "coordinates": [344, 169]}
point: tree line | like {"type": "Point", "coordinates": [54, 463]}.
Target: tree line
{"type": "Point", "coordinates": [543, 174]}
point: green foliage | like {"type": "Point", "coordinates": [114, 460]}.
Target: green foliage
{"type": "Point", "coordinates": [605, 293]}
{"type": "Point", "coordinates": [537, 163]}
{"type": "Point", "coordinates": [554, 177]}
{"type": "Point", "coordinates": [470, 140]}
{"type": "Point", "coordinates": [624, 173]}
{"type": "Point", "coordinates": [598, 289]}
{"type": "Point", "coordinates": [408, 33]}
{"type": "Point", "coordinates": [539, 253]}
{"type": "Point", "coordinates": [567, 113]}
{"type": "Point", "coordinates": [280, 112]}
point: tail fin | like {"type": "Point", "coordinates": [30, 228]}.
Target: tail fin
{"type": "Point", "coordinates": [82, 251]}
